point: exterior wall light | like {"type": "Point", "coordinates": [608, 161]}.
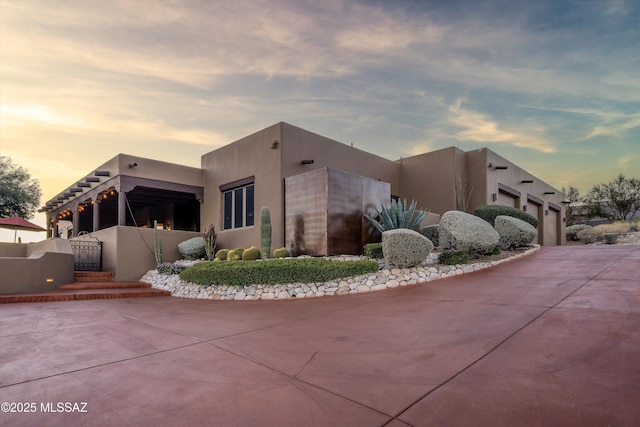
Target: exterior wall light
{"type": "Point", "coordinates": [549, 192]}
{"type": "Point", "coordinates": [274, 144]}
{"type": "Point", "coordinates": [494, 196]}
{"type": "Point", "coordinates": [527, 181]}
{"type": "Point", "coordinates": [306, 162]}
{"type": "Point", "coordinates": [133, 165]}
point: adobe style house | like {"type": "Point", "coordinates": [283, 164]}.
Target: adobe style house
{"type": "Point", "coordinates": [315, 188]}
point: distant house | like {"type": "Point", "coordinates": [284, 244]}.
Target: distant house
{"type": "Point", "coordinates": [316, 189]}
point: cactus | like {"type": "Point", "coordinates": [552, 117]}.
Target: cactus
{"type": "Point", "coordinates": [222, 254]}
{"type": "Point", "coordinates": [251, 254]}
{"type": "Point", "coordinates": [265, 232]}
{"type": "Point", "coordinates": [210, 242]}
{"type": "Point", "coordinates": [281, 253]}
{"type": "Point", "coordinates": [157, 243]}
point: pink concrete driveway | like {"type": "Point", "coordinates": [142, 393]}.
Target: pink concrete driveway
{"type": "Point", "coordinates": [552, 339]}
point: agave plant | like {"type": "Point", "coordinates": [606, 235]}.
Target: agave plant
{"type": "Point", "coordinates": [397, 215]}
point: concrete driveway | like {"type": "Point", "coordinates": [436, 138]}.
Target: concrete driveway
{"type": "Point", "coordinates": [552, 339]}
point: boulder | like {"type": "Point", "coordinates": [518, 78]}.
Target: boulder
{"type": "Point", "coordinates": [192, 248]}
{"type": "Point", "coordinates": [404, 248]}
{"type": "Point", "coordinates": [460, 231]}
{"type": "Point", "coordinates": [514, 232]}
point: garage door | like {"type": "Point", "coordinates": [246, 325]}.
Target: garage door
{"type": "Point", "coordinates": [553, 223]}
{"type": "Point", "coordinates": [534, 210]}
{"type": "Point", "coordinates": [505, 199]}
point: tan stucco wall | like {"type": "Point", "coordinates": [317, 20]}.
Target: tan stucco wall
{"type": "Point", "coordinates": [42, 266]}
{"type": "Point", "coordinates": [249, 156]}
{"type": "Point", "coordinates": [430, 179]}
{"type": "Point", "coordinates": [551, 230]}
{"type": "Point", "coordinates": [127, 252]}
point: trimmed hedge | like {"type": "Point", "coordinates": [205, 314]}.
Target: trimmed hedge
{"type": "Point", "coordinates": [490, 212]}
{"type": "Point", "coordinates": [453, 257]}
{"type": "Point", "coordinates": [373, 250]}
{"type": "Point", "coordinates": [307, 270]}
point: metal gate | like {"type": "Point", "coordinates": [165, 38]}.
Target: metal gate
{"type": "Point", "coordinates": [87, 253]}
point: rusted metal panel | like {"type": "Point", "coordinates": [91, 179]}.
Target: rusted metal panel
{"type": "Point", "coordinates": [323, 211]}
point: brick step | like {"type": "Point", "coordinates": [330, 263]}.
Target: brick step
{"type": "Point", "coordinates": [93, 276]}
{"type": "Point", "coordinates": [86, 294]}
{"type": "Point", "coordinates": [103, 285]}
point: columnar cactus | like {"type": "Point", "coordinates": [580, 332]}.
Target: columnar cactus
{"type": "Point", "coordinates": [210, 242]}
{"type": "Point", "coordinates": [157, 243]}
{"type": "Point", "coordinates": [265, 232]}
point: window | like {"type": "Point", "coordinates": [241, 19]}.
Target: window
{"type": "Point", "coordinates": [238, 206]}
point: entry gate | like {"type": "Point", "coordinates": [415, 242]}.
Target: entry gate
{"type": "Point", "coordinates": [87, 253]}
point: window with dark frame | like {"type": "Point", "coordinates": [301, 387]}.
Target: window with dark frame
{"type": "Point", "coordinates": [238, 206]}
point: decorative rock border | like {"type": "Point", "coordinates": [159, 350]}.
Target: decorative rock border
{"type": "Point", "coordinates": [386, 278]}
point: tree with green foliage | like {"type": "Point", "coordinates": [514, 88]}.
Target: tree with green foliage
{"type": "Point", "coordinates": [617, 200]}
{"type": "Point", "coordinates": [19, 194]}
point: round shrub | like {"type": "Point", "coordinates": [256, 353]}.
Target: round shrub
{"type": "Point", "coordinates": [193, 248]}
{"type": "Point", "coordinates": [235, 257]}
{"type": "Point", "coordinates": [573, 230]}
{"type": "Point", "coordinates": [460, 231]}
{"type": "Point", "coordinates": [514, 233]}
{"type": "Point", "coordinates": [490, 212]}
{"type": "Point", "coordinates": [251, 254]}
{"type": "Point", "coordinates": [405, 248]}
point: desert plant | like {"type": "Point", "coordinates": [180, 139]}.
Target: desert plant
{"type": "Point", "coordinates": [397, 215]}
{"type": "Point", "coordinates": [490, 212]}
{"type": "Point", "coordinates": [157, 243]}
{"type": "Point", "coordinates": [265, 231]}
{"type": "Point", "coordinates": [210, 242]}
{"type": "Point", "coordinates": [281, 253]}
{"type": "Point", "coordinates": [616, 200]}
{"type": "Point", "coordinates": [251, 254]}
{"type": "Point", "coordinates": [194, 248]}
{"type": "Point", "coordinates": [222, 254]}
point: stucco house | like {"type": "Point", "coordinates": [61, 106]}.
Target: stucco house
{"type": "Point", "coordinates": [316, 189]}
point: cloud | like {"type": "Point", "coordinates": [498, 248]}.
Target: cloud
{"type": "Point", "coordinates": [617, 128]}
{"type": "Point", "coordinates": [478, 127]}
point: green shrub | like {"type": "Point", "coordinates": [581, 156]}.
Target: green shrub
{"type": "Point", "coordinates": [167, 268]}
{"type": "Point", "coordinates": [307, 270]}
{"type": "Point", "coordinates": [251, 254]}
{"type": "Point", "coordinates": [373, 250]}
{"type": "Point", "coordinates": [490, 212]}
{"type": "Point", "coordinates": [453, 257]}
{"type": "Point", "coordinates": [281, 253]}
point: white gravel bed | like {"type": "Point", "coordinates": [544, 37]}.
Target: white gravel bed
{"type": "Point", "coordinates": [385, 278]}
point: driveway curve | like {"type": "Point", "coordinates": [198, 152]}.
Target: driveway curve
{"type": "Point", "coordinates": [549, 339]}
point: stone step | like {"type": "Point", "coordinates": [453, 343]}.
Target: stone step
{"type": "Point", "coordinates": [104, 285]}
{"type": "Point", "coordinates": [93, 276]}
{"type": "Point", "coordinates": [83, 294]}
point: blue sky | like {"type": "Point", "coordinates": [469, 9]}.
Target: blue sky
{"type": "Point", "coordinates": [552, 85]}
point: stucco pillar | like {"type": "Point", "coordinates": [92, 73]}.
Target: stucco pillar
{"type": "Point", "coordinates": [96, 215]}
{"type": "Point", "coordinates": [122, 208]}
{"type": "Point", "coordinates": [76, 221]}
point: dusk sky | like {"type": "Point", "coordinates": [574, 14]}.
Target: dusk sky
{"type": "Point", "coordinates": [554, 86]}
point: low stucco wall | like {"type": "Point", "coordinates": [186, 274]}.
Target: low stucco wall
{"type": "Point", "coordinates": [127, 252]}
{"type": "Point", "coordinates": [35, 267]}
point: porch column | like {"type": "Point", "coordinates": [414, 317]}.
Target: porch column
{"type": "Point", "coordinates": [76, 221]}
{"type": "Point", "coordinates": [122, 208]}
{"type": "Point", "coordinates": [96, 215]}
